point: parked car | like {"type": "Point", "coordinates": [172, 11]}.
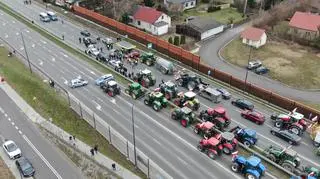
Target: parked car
{"type": "Point", "coordinates": [103, 57]}
{"type": "Point", "coordinates": [261, 70]}
{"type": "Point", "coordinates": [85, 33]}
{"type": "Point", "coordinates": [78, 82]}
{"type": "Point", "coordinates": [104, 78]}
{"type": "Point", "coordinates": [210, 94]}
{"type": "Point", "coordinates": [11, 149]}
{"type": "Point", "coordinates": [225, 94]}
{"type": "Point", "coordinates": [25, 167]}
{"type": "Point", "coordinates": [87, 41]}
{"type": "Point", "coordinates": [107, 41]}
{"type": "Point", "coordinates": [115, 63]}
{"type": "Point", "coordinates": [253, 116]}
{"type": "Point", "coordinates": [92, 50]}
{"type": "Point", "coordinates": [254, 64]}
{"type": "Point", "coordinates": [243, 104]}
{"type": "Point", "coordinates": [286, 135]}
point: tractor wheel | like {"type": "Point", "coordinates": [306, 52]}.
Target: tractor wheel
{"type": "Point", "coordinates": [126, 91]}
{"type": "Point", "coordinates": [235, 167]}
{"type": "Point", "coordinates": [204, 117]}
{"type": "Point", "coordinates": [206, 136]}
{"type": "Point", "coordinates": [295, 130]}
{"type": "Point", "coordinates": [273, 133]}
{"type": "Point", "coordinates": [196, 130]}
{"type": "Point", "coordinates": [173, 116]}
{"type": "Point", "coordinates": [146, 102]}
{"type": "Point", "coordinates": [316, 144]}
{"type": "Point", "coordinates": [244, 116]}
{"type": "Point", "coordinates": [290, 142]}
{"type": "Point", "coordinates": [226, 150]}
{"type": "Point", "coordinates": [184, 122]}
{"type": "Point", "coordinates": [247, 143]}
{"type": "Point", "coordinates": [297, 163]}
{"type": "Point", "coordinates": [212, 155]}
{"type": "Point", "coordinates": [180, 82]}
{"type": "Point", "coordinates": [199, 147]}
{"type": "Point", "coordinates": [110, 93]}
{"type": "Point", "coordinates": [271, 157]}
{"type": "Point", "coordinates": [250, 176]}
{"type": "Point", "coordinates": [288, 166]}
{"type": "Point", "coordinates": [168, 96]}
{"type": "Point", "coordinates": [156, 107]}
{"type": "Point", "coordinates": [278, 124]}
{"type": "Point", "coordinates": [148, 62]}
{"type": "Point", "coordinates": [133, 96]}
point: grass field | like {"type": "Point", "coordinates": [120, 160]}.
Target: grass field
{"type": "Point", "coordinates": [5, 172]}
{"type": "Point", "coordinates": [50, 105]}
{"type": "Point", "coordinates": [293, 65]}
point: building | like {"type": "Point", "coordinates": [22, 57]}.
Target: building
{"type": "Point", "coordinates": [151, 20]}
{"type": "Point", "coordinates": [305, 25]}
{"type": "Point", "coordinates": [200, 28]}
{"type": "Point", "coordinates": [181, 5]}
{"type": "Point", "coordinates": [254, 37]}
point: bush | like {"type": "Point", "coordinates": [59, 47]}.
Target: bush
{"type": "Point", "coordinates": [205, 1]}
{"type": "Point", "coordinates": [182, 39]}
{"type": "Point", "coordinates": [213, 8]}
{"type": "Point", "coordinates": [170, 40]}
{"type": "Point", "coordinates": [176, 41]}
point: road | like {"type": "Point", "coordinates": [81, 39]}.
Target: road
{"type": "Point", "coordinates": [92, 96]}
{"type": "Point", "coordinates": [47, 160]}
{"type": "Point", "coordinates": [209, 53]}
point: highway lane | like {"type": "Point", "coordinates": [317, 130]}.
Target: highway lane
{"type": "Point", "coordinates": [47, 160]}
{"type": "Point", "coordinates": [264, 131]}
{"type": "Point", "coordinates": [199, 165]}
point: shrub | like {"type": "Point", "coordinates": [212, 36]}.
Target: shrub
{"type": "Point", "coordinates": [176, 41]}
{"type": "Point", "coordinates": [170, 40]}
{"type": "Point", "coordinates": [182, 39]}
{"type": "Point", "coordinates": [213, 8]}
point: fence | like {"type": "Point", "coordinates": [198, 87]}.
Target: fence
{"type": "Point", "coordinates": [193, 61]}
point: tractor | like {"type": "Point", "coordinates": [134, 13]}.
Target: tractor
{"type": "Point", "coordinates": [205, 129]}
{"type": "Point", "coordinates": [148, 58]}
{"type": "Point", "coordinates": [318, 151]}
{"type": "Point", "coordinates": [246, 136]}
{"type": "Point", "coordinates": [191, 82]}
{"type": "Point", "coordinates": [251, 168]}
{"type": "Point", "coordinates": [145, 78]}
{"type": "Point", "coordinates": [293, 121]}
{"type": "Point", "coordinates": [134, 90]}
{"type": "Point", "coordinates": [210, 147]}
{"type": "Point", "coordinates": [227, 141]}
{"type": "Point", "coordinates": [310, 171]}
{"type": "Point", "coordinates": [217, 115]}
{"type": "Point", "coordinates": [187, 99]}
{"type": "Point", "coordinates": [169, 89]}
{"type": "Point", "coordinates": [156, 100]}
{"type": "Point", "coordinates": [110, 87]}
{"type": "Point", "coordinates": [184, 115]}
{"type": "Point", "coordinates": [286, 158]}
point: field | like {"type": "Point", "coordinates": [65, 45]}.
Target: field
{"type": "Point", "coordinates": [5, 172]}
{"type": "Point", "coordinates": [293, 65]}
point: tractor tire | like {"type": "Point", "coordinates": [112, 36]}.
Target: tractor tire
{"type": "Point", "coordinates": [273, 133]}
{"type": "Point", "coordinates": [226, 151]}
{"type": "Point", "coordinates": [156, 107]}
{"type": "Point", "coordinates": [134, 96]}
{"type": "Point", "coordinates": [244, 116]}
{"type": "Point", "coordinates": [278, 124]}
{"type": "Point", "coordinates": [295, 130]}
{"type": "Point", "coordinates": [199, 147]}
{"type": "Point", "coordinates": [271, 157]}
{"type": "Point", "coordinates": [191, 85]}
{"type": "Point", "coordinates": [180, 82]}
{"type": "Point", "coordinates": [146, 102]}
{"type": "Point", "coordinates": [297, 163]}
{"type": "Point", "coordinates": [250, 176]}
{"type": "Point", "coordinates": [247, 143]}
{"type": "Point", "coordinates": [206, 136]}
{"type": "Point", "coordinates": [316, 144]}
{"type": "Point", "coordinates": [173, 116]}
{"type": "Point", "coordinates": [235, 167]}
{"type": "Point", "coordinates": [126, 91]}
{"type": "Point", "coordinates": [184, 122]}
{"type": "Point", "coordinates": [148, 62]}
{"type": "Point", "coordinates": [196, 130]}
{"type": "Point", "coordinates": [290, 142]}
{"type": "Point", "coordinates": [204, 117]}
{"type": "Point", "coordinates": [288, 166]}
{"type": "Point", "coordinates": [212, 155]}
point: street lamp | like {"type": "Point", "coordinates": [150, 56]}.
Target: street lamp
{"type": "Point", "coordinates": [25, 49]}
{"type": "Point", "coordinates": [134, 136]}
{"type": "Point", "coordinates": [245, 80]}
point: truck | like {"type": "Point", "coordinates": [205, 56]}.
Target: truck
{"type": "Point", "coordinates": [165, 66]}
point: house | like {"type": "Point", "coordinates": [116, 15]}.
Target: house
{"type": "Point", "coordinates": [151, 20]}
{"type": "Point", "coordinates": [180, 4]}
{"type": "Point", "coordinates": [305, 25]}
{"type": "Point", "coordinates": [200, 28]}
{"type": "Point", "coordinates": [254, 37]}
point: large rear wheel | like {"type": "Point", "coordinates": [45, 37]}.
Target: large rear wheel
{"type": "Point", "coordinates": [226, 150]}
{"type": "Point", "coordinates": [295, 130]}
{"type": "Point", "coordinates": [212, 155]}
{"type": "Point", "coordinates": [156, 107]}
{"type": "Point", "coordinates": [184, 122]}
{"type": "Point", "coordinates": [250, 176]}
{"type": "Point", "coordinates": [235, 167]}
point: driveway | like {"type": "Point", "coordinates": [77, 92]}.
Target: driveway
{"type": "Point", "coordinates": [209, 53]}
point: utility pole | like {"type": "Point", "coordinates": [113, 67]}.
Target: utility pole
{"type": "Point", "coordinates": [134, 137]}
{"type": "Point", "coordinates": [245, 8]}
{"type": "Point", "coordinates": [245, 80]}
{"type": "Point", "coordinates": [25, 50]}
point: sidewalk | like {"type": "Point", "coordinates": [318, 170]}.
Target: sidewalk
{"type": "Point", "coordinates": [79, 145]}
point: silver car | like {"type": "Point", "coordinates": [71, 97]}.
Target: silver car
{"type": "Point", "coordinates": [78, 82]}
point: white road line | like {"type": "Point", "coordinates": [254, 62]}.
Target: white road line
{"type": "Point", "coordinates": [184, 162]}
{"type": "Point", "coordinates": [98, 106]}
{"type": "Point", "coordinates": [20, 132]}
{"type": "Point", "coordinates": [42, 158]}
{"type": "Point", "coordinates": [155, 140]}
{"type": "Point", "coordinates": [12, 123]}
{"type": "Point", "coordinates": [17, 127]}
{"type": "Point", "coordinates": [6, 36]}
{"type": "Point", "coordinates": [270, 175]}
{"type": "Point", "coordinates": [33, 45]}
{"type": "Point", "coordinates": [9, 119]}
{"type": "Point", "coordinates": [5, 114]}
{"type": "Point", "coordinates": [1, 110]}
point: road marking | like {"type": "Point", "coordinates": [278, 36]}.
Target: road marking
{"type": "Point", "coordinates": [33, 45]}
{"type": "Point", "coordinates": [44, 42]}
{"type": "Point", "coordinates": [155, 140]}
{"type": "Point", "coordinates": [20, 132]}
{"type": "Point", "coordinates": [181, 160]}
{"type": "Point", "coordinates": [21, 48]}
{"type": "Point", "coordinates": [27, 31]}
{"type": "Point", "coordinates": [53, 59]}
{"type": "Point", "coordinates": [5, 114]}
{"type": "Point", "coordinates": [12, 123]}
{"type": "Point", "coordinates": [9, 119]}
{"type": "Point", "coordinates": [17, 127]}
{"type": "Point", "coordinates": [92, 72]}
{"type": "Point", "coordinates": [40, 62]}
{"type": "Point", "coordinates": [17, 33]}
{"type": "Point", "coordinates": [42, 158]}
{"type": "Point", "coordinates": [13, 22]}
{"type": "Point", "coordinates": [6, 36]}
{"type": "Point", "coordinates": [98, 106]}
{"type": "Point", "coordinates": [113, 101]}
{"type": "Point", "coordinates": [4, 24]}
{"type": "Point", "coordinates": [1, 110]}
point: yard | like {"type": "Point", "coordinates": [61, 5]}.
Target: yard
{"type": "Point", "coordinates": [294, 65]}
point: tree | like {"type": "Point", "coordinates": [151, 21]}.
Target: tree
{"type": "Point", "coordinates": [231, 19]}
{"type": "Point", "coordinates": [125, 18]}
{"type": "Point", "coordinates": [148, 3]}
{"type": "Point", "coordinates": [182, 39]}
{"type": "Point", "coordinates": [170, 40]}
{"type": "Point", "coordinates": [176, 41]}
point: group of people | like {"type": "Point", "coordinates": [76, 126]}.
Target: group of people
{"type": "Point", "coordinates": [27, 2]}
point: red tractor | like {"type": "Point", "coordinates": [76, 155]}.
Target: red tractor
{"type": "Point", "coordinates": [205, 129]}
{"type": "Point", "coordinates": [228, 142]}
{"type": "Point", "coordinates": [211, 147]}
{"type": "Point", "coordinates": [293, 121]}
{"type": "Point", "coordinates": [217, 115]}
{"type": "Point", "coordinates": [133, 54]}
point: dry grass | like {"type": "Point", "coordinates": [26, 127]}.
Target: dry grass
{"type": "Point", "coordinates": [5, 172]}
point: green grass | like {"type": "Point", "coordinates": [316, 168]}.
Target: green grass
{"type": "Point", "coordinates": [293, 65]}
{"type": "Point", "coordinates": [50, 105]}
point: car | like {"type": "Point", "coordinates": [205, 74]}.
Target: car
{"type": "Point", "coordinates": [115, 63]}
{"type": "Point", "coordinates": [85, 33]}
{"type": "Point", "coordinates": [78, 82]}
{"type": "Point", "coordinates": [87, 41]}
{"type": "Point", "coordinates": [261, 70]}
{"type": "Point", "coordinates": [11, 149]}
{"type": "Point", "coordinates": [25, 167]}
{"type": "Point", "coordinates": [225, 94]}
{"type": "Point", "coordinates": [103, 57]}
{"type": "Point", "coordinates": [253, 116]}
{"type": "Point", "coordinates": [104, 78]}
{"type": "Point", "coordinates": [107, 41]}
{"type": "Point", "coordinates": [243, 104]}
{"type": "Point", "coordinates": [92, 50]}
{"type": "Point", "coordinates": [286, 135]}
{"type": "Point", "coordinates": [254, 64]}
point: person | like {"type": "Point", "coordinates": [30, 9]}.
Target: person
{"type": "Point", "coordinates": [62, 37]}
{"type": "Point", "coordinates": [92, 151]}
{"type": "Point", "coordinates": [61, 21]}
{"type": "Point", "coordinates": [96, 148]}
{"type": "Point", "coordinates": [113, 166]}
{"type": "Point", "coordinates": [46, 6]}
{"type": "Point", "coordinates": [51, 83]}
{"type": "Point", "coordinates": [209, 72]}
{"type": "Point", "coordinates": [10, 54]}
{"type": "Point", "coordinates": [29, 1]}
{"type": "Point", "coordinates": [80, 40]}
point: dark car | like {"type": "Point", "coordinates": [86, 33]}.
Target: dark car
{"type": "Point", "coordinates": [261, 70]}
{"type": "Point", "coordinates": [225, 94]}
{"type": "Point", "coordinates": [243, 104]}
{"type": "Point", "coordinates": [103, 57]}
{"type": "Point", "coordinates": [253, 116]}
{"type": "Point", "coordinates": [85, 33]}
{"type": "Point", "coordinates": [286, 135]}
{"type": "Point", "coordinates": [25, 167]}
{"type": "Point", "coordinates": [87, 41]}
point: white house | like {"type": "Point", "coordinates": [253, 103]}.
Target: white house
{"type": "Point", "coordinates": [254, 37]}
{"type": "Point", "coordinates": [153, 21]}
{"type": "Point", "coordinates": [183, 4]}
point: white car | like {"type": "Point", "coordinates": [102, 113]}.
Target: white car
{"type": "Point", "coordinates": [11, 149]}
{"type": "Point", "coordinates": [92, 50]}
{"type": "Point", "coordinates": [115, 63]}
{"type": "Point", "coordinates": [107, 41]}
{"type": "Point", "coordinates": [78, 82]}
{"type": "Point", "coordinates": [254, 64]}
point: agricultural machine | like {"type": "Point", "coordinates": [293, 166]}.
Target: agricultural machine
{"type": "Point", "coordinates": [111, 87]}
{"type": "Point", "coordinates": [246, 136]}
{"type": "Point", "coordinates": [191, 82]}
{"type": "Point", "coordinates": [227, 141]}
{"type": "Point", "coordinates": [211, 147]}
{"type": "Point", "coordinates": [187, 99]}
{"type": "Point", "coordinates": [134, 90]}
{"type": "Point", "coordinates": [217, 115]}
{"type": "Point", "coordinates": [251, 168]}
{"type": "Point", "coordinates": [306, 171]}
{"type": "Point", "coordinates": [148, 58]}
{"type": "Point", "coordinates": [145, 78]}
{"type": "Point", "coordinates": [169, 89]}
{"type": "Point", "coordinates": [205, 129]}
{"type": "Point", "coordinates": [184, 115]}
{"type": "Point", "coordinates": [156, 100]}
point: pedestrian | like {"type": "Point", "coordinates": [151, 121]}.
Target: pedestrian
{"type": "Point", "coordinates": [96, 148]}
{"type": "Point", "coordinates": [92, 152]}
{"type": "Point", "coordinates": [62, 37]}
{"type": "Point", "coordinates": [101, 49]}
{"type": "Point", "coordinates": [310, 116]}
{"type": "Point", "coordinates": [70, 138]}
{"type": "Point", "coordinates": [29, 1]}
{"type": "Point", "coordinates": [32, 22]}
{"type": "Point", "coordinates": [61, 21]}
{"type": "Point", "coordinates": [80, 40]}
{"type": "Point", "coordinates": [113, 166]}
{"type": "Point", "coordinates": [209, 72]}
{"type": "Point", "coordinates": [46, 6]}
{"type": "Point", "coordinates": [74, 137]}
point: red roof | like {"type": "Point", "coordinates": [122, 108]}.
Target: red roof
{"type": "Point", "coordinates": [252, 33]}
{"type": "Point", "coordinates": [305, 20]}
{"type": "Point", "coordinates": [147, 14]}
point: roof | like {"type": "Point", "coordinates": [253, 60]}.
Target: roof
{"type": "Point", "coordinates": [306, 21]}
{"type": "Point", "coordinates": [254, 161]}
{"type": "Point", "coordinates": [213, 141]}
{"type": "Point", "coordinates": [250, 132]}
{"type": "Point", "coordinates": [179, 1]}
{"type": "Point", "coordinates": [147, 14]}
{"type": "Point", "coordinates": [190, 94]}
{"type": "Point", "coordinates": [203, 24]}
{"type": "Point", "coordinates": [160, 24]}
{"type": "Point", "coordinates": [125, 45]}
{"type": "Point", "coordinates": [252, 33]}
{"type": "Point", "coordinates": [207, 125]}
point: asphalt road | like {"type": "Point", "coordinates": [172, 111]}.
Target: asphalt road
{"type": "Point", "coordinates": [47, 160]}
{"type": "Point", "coordinates": [92, 96]}
{"type": "Point", "coordinates": [209, 54]}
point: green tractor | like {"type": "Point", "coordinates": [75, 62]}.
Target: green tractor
{"type": "Point", "coordinates": [184, 115]}
{"type": "Point", "coordinates": [156, 100]}
{"type": "Point", "coordinates": [169, 89]}
{"type": "Point", "coordinates": [145, 78]}
{"type": "Point", "coordinates": [286, 158]}
{"type": "Point", "coordinates": [318, 151]}
{"type": "Point", "coordinates": [308, 170]}
{"type": "Point", "coordinates": [134, 90]}
{"type": "Point", "coordinates": [148, 58]}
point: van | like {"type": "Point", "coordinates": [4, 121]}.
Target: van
{"type": "Point", "coordinates": [52, 16]}
{"type": "Point", "coordinates": [165, 66]}
{"type": "Point", "coordinates": [211, 94]}
{"type": "Point", "coordinates": [44, 17]}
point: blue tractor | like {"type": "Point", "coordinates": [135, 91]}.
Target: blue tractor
{"type": "Point", "coordinates": [252, 168]}
{"type": "Point", "coordinates": [246, 136]}
{"type": "Point", "coordinates": [303, 177]}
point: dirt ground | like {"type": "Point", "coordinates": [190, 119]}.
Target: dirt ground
{"type": "Point", "coordinates": [5, 172]}
{"type": "Point", "coordinates": [291, 64]}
